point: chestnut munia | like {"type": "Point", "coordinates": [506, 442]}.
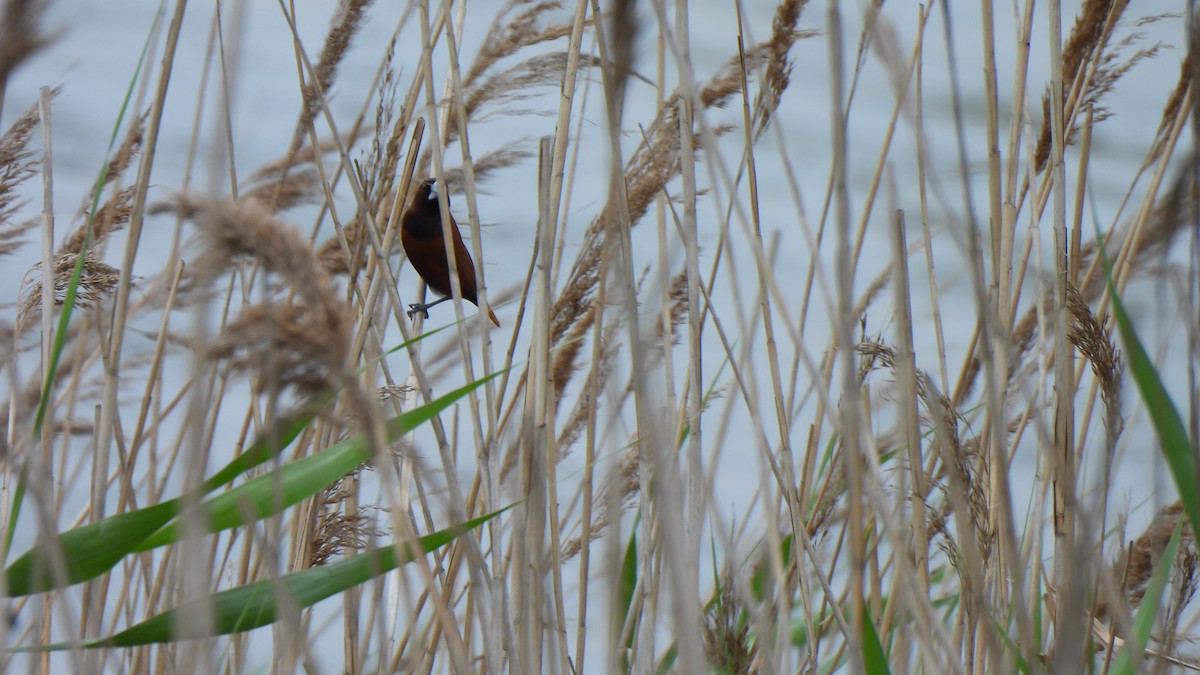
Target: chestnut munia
{"type": "Point", "coordinates": [425, 246]}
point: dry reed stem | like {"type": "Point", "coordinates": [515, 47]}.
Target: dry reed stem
{"type": "Point", "coordinates": [960, 478]}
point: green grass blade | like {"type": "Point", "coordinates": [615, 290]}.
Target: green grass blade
{"type": "Point", "coordinates": [93, 549]}
{"type": "Point", "coordinates": [626, 584]}
{"type": "Point", "coordinates": [268, 494]}
{"type": "Point", "coordinates": [1011, 647]}
{"type": "Point", "coordinates": [87, 551]}
{"type": "Point", "coordinates": [874, 659]}
{"type": "Point", "coordinates": [254, 605]}
{"type": "Point", "coordinates": [1172, 434]}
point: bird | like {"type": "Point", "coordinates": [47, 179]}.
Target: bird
{"type": "Point", "coordinates": [425, 246]}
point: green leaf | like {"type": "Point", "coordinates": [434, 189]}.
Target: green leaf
{"type": "Point", "coordinates": [93, 549]}
{"type": "Point", "coordinates": [1012, 648]}
{"type": "Point", "coordinates": [874, 659]}
{"type": "Point", "coordinates": [255, 605]}
{"type": "Point", "coordinates": [761, 577]}
{"type": "Point", "coordinates": [1172, 435]}
{"type": "Point", "coordinates": [291, 483]}
{"type": "Point", "coordinates": [626, 583]}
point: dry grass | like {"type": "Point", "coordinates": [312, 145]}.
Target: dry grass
{"type": "Point", "coordinates": [723, 437]}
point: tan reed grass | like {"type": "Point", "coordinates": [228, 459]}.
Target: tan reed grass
{"type": "Point", "coordinates": [889, 495]}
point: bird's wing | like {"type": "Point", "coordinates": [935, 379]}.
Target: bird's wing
{"type": "Point", "coordinates": [434, 269]}
{"type": "Point", "coordinates": [466, 268]}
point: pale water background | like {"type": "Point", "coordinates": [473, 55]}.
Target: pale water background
{"type": "Point", "coordinates": [95, 54]}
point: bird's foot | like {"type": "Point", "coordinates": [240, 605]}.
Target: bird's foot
{"type": "Point", "coordinates": [418, 307]}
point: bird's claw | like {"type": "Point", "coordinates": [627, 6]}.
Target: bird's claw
{"type": "Point", "coordinates": [415, 307]}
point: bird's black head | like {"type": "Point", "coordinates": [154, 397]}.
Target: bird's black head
{"type": "Point", "coordinates": [423, 217]}
{"type": "Point", "coordinates": [428, 196]}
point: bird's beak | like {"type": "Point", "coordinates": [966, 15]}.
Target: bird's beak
{"type": "Point", "coordinates": [432, 192]}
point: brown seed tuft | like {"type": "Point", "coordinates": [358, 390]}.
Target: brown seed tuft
{"type": "Point", "coordinates": [284, 346]}
{"type": "Point", "coordinates": [779, 67]}
{"type": "Point", "coordinates": [1136, 566]}
{"type": "Point", "coordinates": [96, 281]}
{"type": "Point", "coordinates": [1086, 44]}
{"type": "Point", "coordinates": [17, 164]}
{"type": "Point", "coordinates": [346, 22]}
{"type": "Point", "coordinates": [313, 333]}
{"type": "Point", "coordinates": [728, 644]}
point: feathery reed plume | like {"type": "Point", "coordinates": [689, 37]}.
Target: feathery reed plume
{"type": "Point", "coordinates": [333, 259]}
{"type": "Point", "coordinates": [727, 81]}
{"type": "Point", "coordinates": [96, 281]}
{"type": "Point", "coordinates": [565, 361]}
{"type": "Point", "coordinates": [727, 640]}
{"type": "Point", "coordinates": [115, 212]}
{"type": "Point", "coordinates": [1084, 331]}
{"type": "Point", "coordinates": [110, 217]}
{"type": "Point", "coordinates": [779, 67]}
{"type": "Point", "coordinates": [304, 344]}
{"type": "Point", "coordinates": [597, 377]}
{"type": "Point", "coordinates": [516, 83]}
{"type": "Point", "coordinates": [346, 22]}
{"type": "Point", "coordinates": [280, 166]}
{"type": "Point", "coordinates": [655, 161]}
{"type": "Point", "coordinates": [12, 235]}
{"type": "Point", "coordinates": [1171, 214]}
{"type": "Point", "coordinates": [505, 39]}
{"type": "Point", "coordinates": [337, 531]}
{"type": "Point", "coordinates": [246, 229]}
{"type": "Point", "coordinates": [288, 189]}
{"type": "Point", "coordinates": [1135, 566]}
{"type": "Point", "coordinates": [652, 164]}
{"type": "Point", "coordinates": [677, 300]}
{"type": "Point", "coordinates": [486, 165]}
{"type": "Point", "coordinates": [17, 164]}
{"type": "Point", "coordinates": [283, 344]}
{"type": "Point", "coordinates": [20, 34]}
{"type": "Point", "coordinates": [960, 458]}
{"type": "Point", "coordinates": [130, 148]}
{"type": "Point", "coordinates": [627, 486]}
{"type": "Point", "coordinates": [1089, 38]}
{"type": "Point", "coordinates": [1096, 345]}
{"type": "Point", "coordinates": [379, 172]}
{"type": "Point", "coordinates": [1187, 75]}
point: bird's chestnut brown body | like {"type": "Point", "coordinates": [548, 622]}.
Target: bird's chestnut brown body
{"type": "Point", "coordinates": [425, 246]}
